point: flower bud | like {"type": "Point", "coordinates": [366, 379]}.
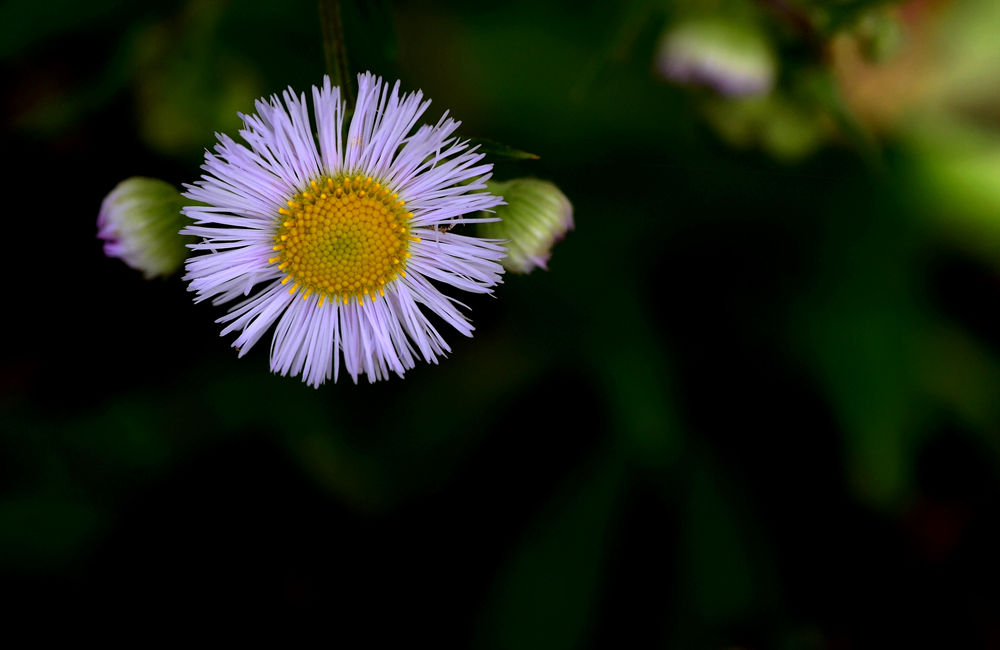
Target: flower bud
{"type": "Point", "coordinates": [729, 56]}
{"type": "Point", "coordinates": [536, 215]}
{"type": "Point", "coordinates": [139, 222]}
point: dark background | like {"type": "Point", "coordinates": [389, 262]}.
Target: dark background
{"type": "Point", "coordinates": [754, 402]}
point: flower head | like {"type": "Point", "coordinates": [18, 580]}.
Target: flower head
{"type": "Point", "coordinates": [138, 222]}
{"type": "Point", "coordinates": [536, 216]}
{"type": "Point", "coordinates": [342, 237]}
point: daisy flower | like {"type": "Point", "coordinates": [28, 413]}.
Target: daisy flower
{"type": "Point", "coordinates": [341, 239]}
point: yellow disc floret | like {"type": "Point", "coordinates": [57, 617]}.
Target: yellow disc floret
{"type": "Point", "coordinates": [346, 237]}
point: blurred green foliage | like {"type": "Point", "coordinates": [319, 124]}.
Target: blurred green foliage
{"type": "Point", "coordinates": [706, 426]}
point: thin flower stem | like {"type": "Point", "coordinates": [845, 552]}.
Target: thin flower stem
{"type": "Point", "coordinates": [334, 49]}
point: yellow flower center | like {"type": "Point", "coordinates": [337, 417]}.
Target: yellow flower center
{"type": "Point", "coordinates": [347, 238]}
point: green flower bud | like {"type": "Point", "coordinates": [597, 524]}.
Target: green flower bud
{"type": "Point", "coordinates": [732, 57]}
{"type": "Point", "coordinates": [536, 215]}
{"type": "Point", "coordinates": [139, 222]}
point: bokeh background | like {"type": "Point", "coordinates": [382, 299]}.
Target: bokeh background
{"type": "Point", "coordinates": [753, 403]}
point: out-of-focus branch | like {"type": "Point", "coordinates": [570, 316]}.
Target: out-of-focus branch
{"type": "Point", "coordinates": [334, 49]}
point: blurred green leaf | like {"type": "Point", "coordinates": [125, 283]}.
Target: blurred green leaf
{"type": "Point", "coordinates": [50, 115]}
{"type": "Point", "coordinates": [28, 23]}
{"type": "Point", "coordinates": [41, 532]}
{"type": "Point", "coordinates": [128, 437]}
{"type": "Point", "coordinates": [190, 84]}
{"type": "Point", "coordinates": [723, 579]}
{"type": "Point", "coordinates": [547, 593]}
{"type": "Point", "coordinates": [378, 17]}
{"type": "Point", "coordinates": [963, 376]}
{"type": "Point", "coordinates": [953, 169]}
{"type": "Point", "coordinates": [637, 383]}
{"type": "Point", "coordinates": [497, 150]}
{"type": "Point", "coordinates": [244, 400]}
{"type": "Point", "coordinates": [845, 13]}
{"type": "Point", "coordinates": [859, 331]}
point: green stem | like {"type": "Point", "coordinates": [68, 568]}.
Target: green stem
{"type": "Point", "coordinates": [334, 49]}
